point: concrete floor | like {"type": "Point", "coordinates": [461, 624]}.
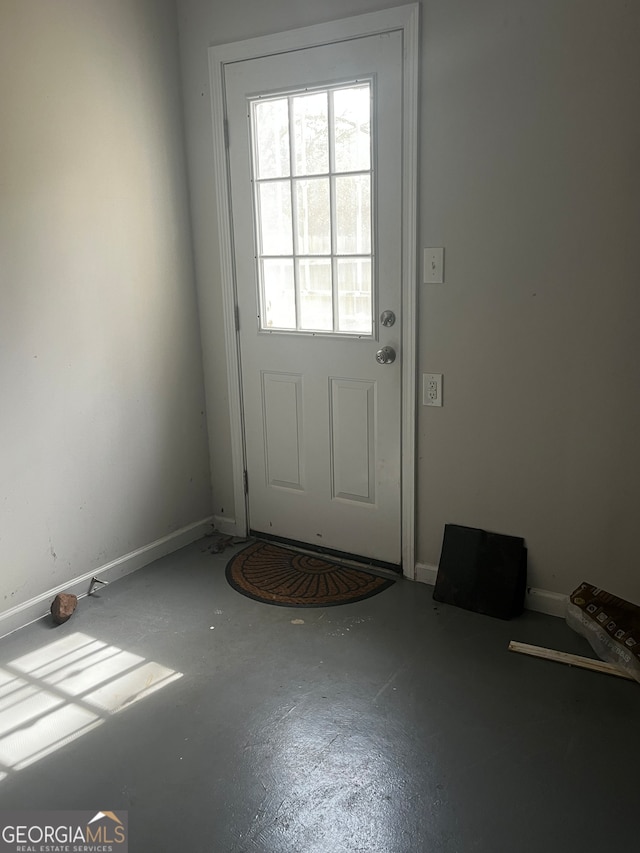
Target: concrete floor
{"type": "Point", "coordinates": [393, 725]}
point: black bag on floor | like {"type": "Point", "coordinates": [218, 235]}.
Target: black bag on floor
{"type": "Point", "coordinates": [481, 571]}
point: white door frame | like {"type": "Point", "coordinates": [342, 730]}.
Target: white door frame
{"type": "Point", "coordinates": [404, 18]}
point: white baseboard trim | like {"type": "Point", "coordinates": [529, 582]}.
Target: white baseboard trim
{"type": "Point", "coordinates": [544, 601]}
{"type": "Point", "coordinates": [426, 573]}
{"type": "Point", "coordinates": [39, 606]}
{"type": "Point", "coordinates": [540, 600]}
{"type": "Point", "coordinates": [226, 525]}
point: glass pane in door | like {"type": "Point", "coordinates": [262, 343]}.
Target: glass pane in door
{"type": "Point", "coordinates": [274, 210]}
{"type": "Point", "coordinates": [313, 184]}
{"type": "Point", "coordinates": [272, 138]}
{"type": "Point", "coordinates": [279, 295]}
{"type": "Point", "coordinates": [352, 130]}
{"type": "Point", "coordinates": [353, 215]}
{"type": "Point", "coordinates": [313, 216]}
{"type": "Point", "coordinates": [311, 133]}
{"type": "Point", "coordinates": [354, 294]}
{"type": "Point", "coordinates": [316, 303]}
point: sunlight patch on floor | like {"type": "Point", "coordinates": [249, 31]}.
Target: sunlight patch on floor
{"type": "Point", "coordinates": [51, 697]}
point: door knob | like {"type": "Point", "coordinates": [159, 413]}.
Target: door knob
{"type": "Point", "coordinates": [386, 355]}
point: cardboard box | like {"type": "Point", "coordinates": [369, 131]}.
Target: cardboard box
{"type": "Point", "coordinates": [610, 624]}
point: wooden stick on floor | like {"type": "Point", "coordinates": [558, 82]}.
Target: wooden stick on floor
{"type": "Point", "coordinates": [572, 660]}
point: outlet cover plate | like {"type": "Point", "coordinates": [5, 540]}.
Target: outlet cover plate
{"type": "Point", "coordinates": [432, 389]}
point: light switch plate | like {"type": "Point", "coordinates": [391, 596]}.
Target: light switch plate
{"type": "Point", "coordinates": [433, 266]}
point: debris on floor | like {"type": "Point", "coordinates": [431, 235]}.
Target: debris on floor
{"type": "Point", "coordinates": [610, 624]}
{"type": "Point", "coordinates": [217, 541]}
{"type": "Point", "coordinates": [571, 660]}
{"type": "Point", "coordinates": [94, 583]}
{"type": "Point", "coordinates": [62, 607]}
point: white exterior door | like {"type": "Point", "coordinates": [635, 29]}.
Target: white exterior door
{"type": "Point", "coordinates": [315, 164]}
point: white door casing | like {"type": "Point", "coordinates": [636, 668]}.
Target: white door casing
{"type": "Point", "coordinates": [322, 398]}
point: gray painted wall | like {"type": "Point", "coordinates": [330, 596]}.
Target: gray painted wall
{"type": "Point", "coordinates": [529, 177]}
{"type": "Point", "coordinates": [102, 428]}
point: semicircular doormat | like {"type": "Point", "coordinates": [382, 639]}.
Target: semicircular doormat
{"type": "Point", "coordinates": [276, 575]}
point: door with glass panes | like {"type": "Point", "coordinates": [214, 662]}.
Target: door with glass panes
{"type": "Point", "coordinates": [315, 142]}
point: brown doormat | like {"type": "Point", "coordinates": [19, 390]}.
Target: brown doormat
{"type": "Point", "coordinates": [275, 575]}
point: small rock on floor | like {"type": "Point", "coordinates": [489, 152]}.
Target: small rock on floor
{"type": "Point", "coordinates": [62, 607]}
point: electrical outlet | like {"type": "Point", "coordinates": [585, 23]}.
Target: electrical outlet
{"type": "Point", "coordinates": [431, 389]}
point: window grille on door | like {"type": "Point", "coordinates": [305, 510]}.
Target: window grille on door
{"type": "Point", "coordinates": [313, 192]}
